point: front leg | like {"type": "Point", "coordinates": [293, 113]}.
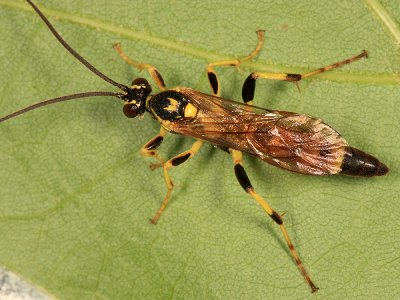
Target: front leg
{"type": "Point", "coordinates": [212, 76]}
{"type": "Point", "coordinates": [152, 70]}
{"type": "Point", "coordinates": [150, 148]}
{"type": "Point", "coordinates": [173, 162]}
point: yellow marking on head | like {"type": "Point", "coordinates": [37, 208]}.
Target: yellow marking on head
{"type": "Point", "coordinates": [135, 86]}
{"type": "Point", "coordinates": [132, 102]}
{"type": "Point", "coordinates": [190, 111]}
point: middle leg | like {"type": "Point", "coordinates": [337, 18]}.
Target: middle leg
{"type": "Point", "coordinates": [212, 76]}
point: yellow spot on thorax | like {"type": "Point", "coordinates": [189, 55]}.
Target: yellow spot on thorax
{"type": "Point", "coordinates": [172, 105]}
{"type": "Point", "coordinates": [173, 101]}
{"type": "Point", "coordinates": [190, 111]}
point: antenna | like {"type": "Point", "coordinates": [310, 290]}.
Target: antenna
{"type": "Point", "coordinates": [59, 99]}
{"type": "Point", "coordinates": [82, 60]}
{"type": "Point", "coordinates": [74, 53]}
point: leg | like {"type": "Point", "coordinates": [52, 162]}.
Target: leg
{"type": "Point", "coordinates": [245, 183]}
{"type": "Point", "coordinates": [249, 85]}
{"type": "Point", "coordinates": [173, 162]}
{"type": "Point", "coordinates": [149, 149]}
{"type": "Point", "coordinates": [152, 70]}
{"type": "Point", "coordinates": [212, 76]}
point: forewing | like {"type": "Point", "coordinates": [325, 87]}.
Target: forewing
{"type": "Point", "coordinates": [222, 122]}
{"type": "Point", "coordinates": [288, 140]}
{"type": "Point", "coordinates": [301, 144]}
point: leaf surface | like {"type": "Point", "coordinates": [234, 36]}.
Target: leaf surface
{"type": "Point", "coordinates": [76, 196]}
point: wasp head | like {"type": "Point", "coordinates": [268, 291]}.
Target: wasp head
{"type": "Point", "coordinates": [136, 98]}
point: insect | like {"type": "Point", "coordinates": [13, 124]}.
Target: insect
{"type": "Point", "coordinates": [296, 142]}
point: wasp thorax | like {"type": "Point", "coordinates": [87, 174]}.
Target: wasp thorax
{"type": "Point", "coordinates": [170, 105]}
{"type": "Point", "coordinates": [136, 98]}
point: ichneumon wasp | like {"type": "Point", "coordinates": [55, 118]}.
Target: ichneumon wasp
{"type": "Point", "coordinates": [296, 142]}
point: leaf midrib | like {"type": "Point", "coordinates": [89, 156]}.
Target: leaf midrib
{"type": "Point", "coordinates": [362, 78]}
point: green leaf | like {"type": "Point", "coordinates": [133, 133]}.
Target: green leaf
{"type": "Point", "coordinates": [76, 196]}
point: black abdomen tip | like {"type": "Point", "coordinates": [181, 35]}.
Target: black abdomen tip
{"type": "Point", "coordinates": [359, 163]}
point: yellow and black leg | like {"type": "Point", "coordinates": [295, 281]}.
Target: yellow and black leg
{"type": "Point", "coordinates": [245, 183]}
{"type": "Point", "coordinates": [173, 162]}
{"type": "Point", "coordinates": [150, 148]}
{"type": "Point", "coordinates": [249, 85]}
{"type": "Point", "coordinates": [152, 70]}
{"type": "Point", "coordinates": [212, 76]}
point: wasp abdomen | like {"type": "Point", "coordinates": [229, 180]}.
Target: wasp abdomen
{"type": "Point", "coordinates": [359, 163]}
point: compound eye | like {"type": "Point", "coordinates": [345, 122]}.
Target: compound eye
{"type": "Point", "coordinates": [140, 82]}
{"type": "Point", "coordinates": [130, 110]}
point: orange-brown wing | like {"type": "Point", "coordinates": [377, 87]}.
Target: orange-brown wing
{"type": "Point", "coordinates": [295, 142]}
{"type": "Point", "coordinates": [301, 144]}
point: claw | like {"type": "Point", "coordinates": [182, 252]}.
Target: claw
{"type": "Point", "coordinates": [153, 220]}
